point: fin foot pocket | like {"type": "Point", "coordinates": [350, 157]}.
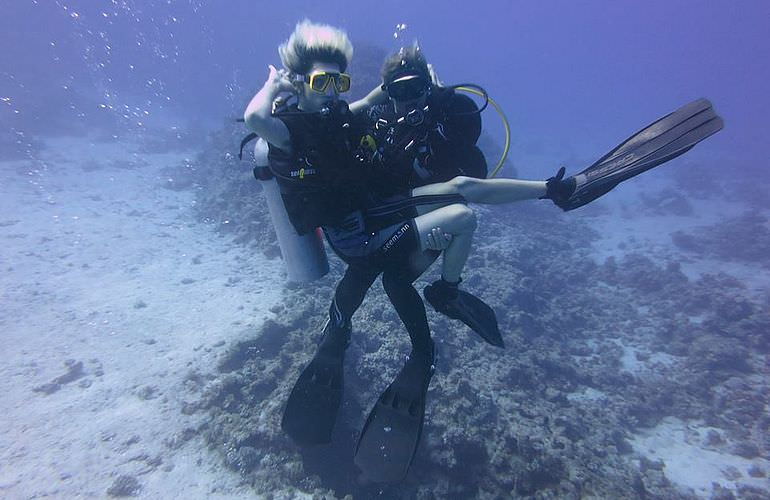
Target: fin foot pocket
{"type": "Point", "coordinates": [468, 308]}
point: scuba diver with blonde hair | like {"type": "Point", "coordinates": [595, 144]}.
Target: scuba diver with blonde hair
{"type": "Point", "coordinates": [373, 192]}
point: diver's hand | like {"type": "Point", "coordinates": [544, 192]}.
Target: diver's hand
{"type": "Point", "coordinates": [278, 80]}
{"type": "Point", "coordinates": [438, 239]}
{"type": "Point", "coordinates": [558, 189]}
{"type": "Point", "coordinates": [259, 113]}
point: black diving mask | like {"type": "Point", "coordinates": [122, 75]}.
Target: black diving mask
{"type": "Point", "coordinates": [407, 88]}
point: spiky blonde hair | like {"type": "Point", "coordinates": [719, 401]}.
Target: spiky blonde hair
{"type": "Point", "coordinates": [313, 42]}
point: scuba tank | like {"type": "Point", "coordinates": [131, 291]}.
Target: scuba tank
{"type": "Point", "coordinates": [303, 255]}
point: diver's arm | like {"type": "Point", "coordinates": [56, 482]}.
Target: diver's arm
{"type": "Point", "coordinates": [497, 191]}
{"type": "Point", "coordinates": [373, 98]}
{"type": "Point", "coordinates": [258, 115]}
{"type": "Point", "coordinates": [487, 191]}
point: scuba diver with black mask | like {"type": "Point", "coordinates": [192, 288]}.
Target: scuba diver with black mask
{"type": "Point", "coordinates": [423, 143]}
{"type": "Point", "coordinates": [327, 166]}
{"type": "Point", "coordinates": [426, 133]}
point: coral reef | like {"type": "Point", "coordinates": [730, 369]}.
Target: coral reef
{"type": "Point", "coordinates": [745, 238]}
{"type": "Point", "coordinates": [124, 486]}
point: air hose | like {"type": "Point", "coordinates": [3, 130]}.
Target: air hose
{"type": "Point", "coordinates": [499, 110]}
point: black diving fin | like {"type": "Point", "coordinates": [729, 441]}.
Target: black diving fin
{"type": "Point", "coordinates": [663, 140]}
{"type": "Point", "coordinates": [390, 436]}
{"type": "Point", "coordinates": [314, 402]}
{"type": "Point", "coordinates": [471, 310]}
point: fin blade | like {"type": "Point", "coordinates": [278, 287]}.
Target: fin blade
{"type": "Point", "coordinates": [391, 435]}
{"type": "Point", "coordinates": [657, 128]}
{"type": "Point", "coordinates": [387, 445]}
{"type": "Point", "coordinates": [312, 407]}
{"type": "Point", "coordinates": [659, 142]}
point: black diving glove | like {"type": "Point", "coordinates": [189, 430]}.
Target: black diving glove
{"type": "Point", "coordinates": [559, 189]}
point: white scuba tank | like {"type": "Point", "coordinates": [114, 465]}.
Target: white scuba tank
{"type": "Point", "coordinates": [303, 255]}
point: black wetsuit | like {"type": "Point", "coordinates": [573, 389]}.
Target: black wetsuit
{"type": "Point", "coordinates": [382, 237]}
{"type": "Point", "coordinates": [323, 184]}
{"type": "Point", "coordinates": [400, 157]}
{"type": "Point", "coordinates": [440, 146]}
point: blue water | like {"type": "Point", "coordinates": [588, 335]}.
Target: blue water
{"type": "Point", "coordinates": [573, 76]}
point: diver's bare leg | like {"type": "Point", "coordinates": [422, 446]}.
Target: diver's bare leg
{"type": "Point", "coordinates": [457, 220]}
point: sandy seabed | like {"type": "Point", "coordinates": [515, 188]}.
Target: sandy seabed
{"type": "Point", "coordinates": [111, 296]}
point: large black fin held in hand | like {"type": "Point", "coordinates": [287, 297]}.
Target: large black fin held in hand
{"type": "Point", "coordinates": [663, 140]}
